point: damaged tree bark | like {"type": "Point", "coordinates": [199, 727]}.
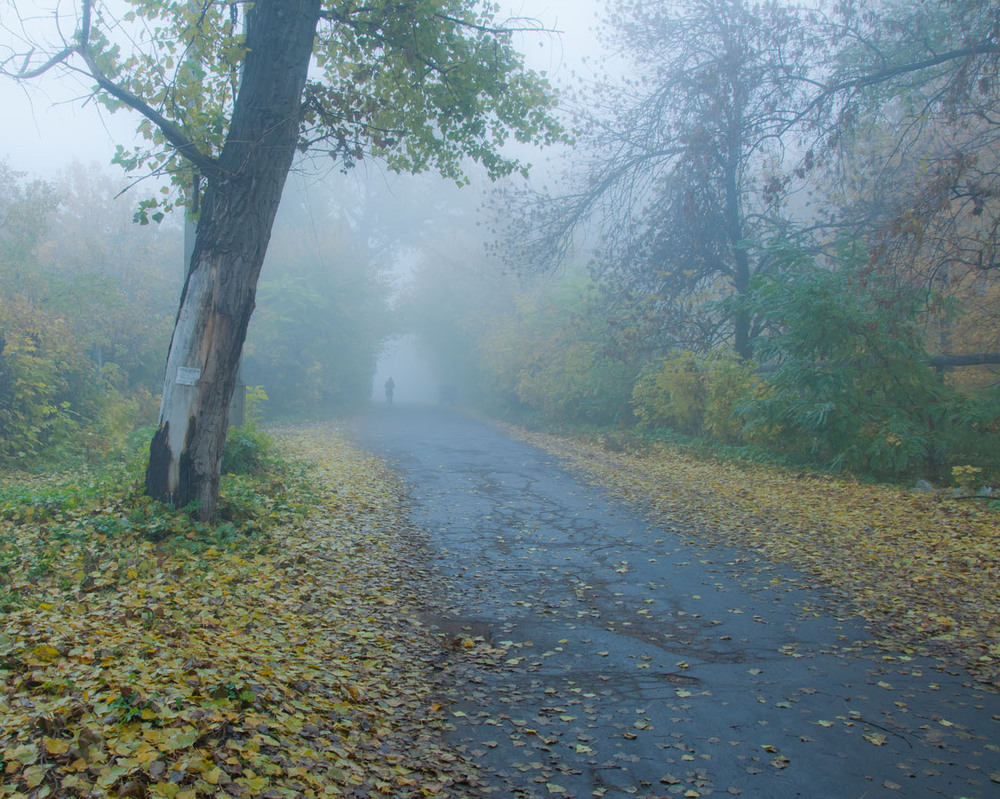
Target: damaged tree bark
{"type": "Point", "coordinates": [243, 189]}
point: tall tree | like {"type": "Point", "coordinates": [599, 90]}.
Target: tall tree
{"type": "Point", "coordinates": [913, 108]}
{"type": "Point", "coordinates": [422, 84]}
{"type": "Point", "coordinates": [682, 166]}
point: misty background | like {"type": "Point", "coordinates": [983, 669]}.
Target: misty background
{"type": "Point", "coordinates": [52, 131]}
{"type": "Point", "coordinates": [756, 236]}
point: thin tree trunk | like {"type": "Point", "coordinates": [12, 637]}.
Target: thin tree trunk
{"type": "Point", "coordinates": [740, 276]}
{"type": "Point", "coordinates": [237, 212]}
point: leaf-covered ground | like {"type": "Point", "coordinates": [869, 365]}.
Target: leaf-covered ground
{"type": "Point", "coordinates": [282, 666]}
{"type": "Point", "coordinates": [922, 567]}
{"type": "Point", "coordinates": [142, 658]}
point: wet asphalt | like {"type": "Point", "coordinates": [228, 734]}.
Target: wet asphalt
{"type": "Point", "coordinates": [644, 662]}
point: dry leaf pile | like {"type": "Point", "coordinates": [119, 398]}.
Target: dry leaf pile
{"type": "Point", "coordinates": [923, 568]}
{"type": "Point", "coordinates": [147, 670]}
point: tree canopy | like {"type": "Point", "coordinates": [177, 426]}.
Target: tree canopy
{"type": "Point", "coordinates": [422, 85]}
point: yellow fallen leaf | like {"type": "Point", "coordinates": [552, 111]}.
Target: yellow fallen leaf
{"type": "Point", "coordinates": [55, 746]}
{"type": "Point", "coordinates": [33, 775]}
{"type": "Point", "coordinates": [45, 653]}
{"type": "Point", "coordinates": [213, 775]}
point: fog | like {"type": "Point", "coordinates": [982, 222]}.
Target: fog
{"type": "Point", "coordinates": [672, 230]}
{"type": "Point", "coordinates": [50, 121]}
{"type": "Point", "coordinates": [414, 380]}
{"type": "Point", "coordinates": [738, 264]}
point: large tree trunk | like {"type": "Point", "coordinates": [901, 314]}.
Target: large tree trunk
{"type": "Point", "coordinates": [237, 212]}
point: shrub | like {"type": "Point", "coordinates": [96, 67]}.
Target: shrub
{"type": "Point", "coordinates": [247, 446]}
{"type": "Point", "coordinates": [730, 381]}
{"type": "Point", "coordinates": [675, 395]}
{"type": "Point", "coordinates": [850, 384]}
{"type": "Point", "coordinates": [48, 388]}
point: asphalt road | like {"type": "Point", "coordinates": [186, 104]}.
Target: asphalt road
{"type": "Point", "coordinates": [641, 662]}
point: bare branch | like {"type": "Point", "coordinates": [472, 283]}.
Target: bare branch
{"type": "Point", "coordinates": [27, 74]}
{"type": "Point", "coordinates": [889, 73]}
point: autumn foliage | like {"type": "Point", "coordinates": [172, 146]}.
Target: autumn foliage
{"type": "Point", "coordinates": [271, 655]}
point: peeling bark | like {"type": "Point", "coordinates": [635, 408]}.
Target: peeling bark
{"type": "Point", "coordinates": [237, 212]}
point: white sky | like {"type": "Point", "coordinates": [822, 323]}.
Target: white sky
{"type": "Point", "coordinates": [44, 127]}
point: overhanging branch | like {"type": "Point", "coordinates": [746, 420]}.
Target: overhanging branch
{"type": "Point", "coordinates": [916, 66]}
{"type": "Point", "coordinates": [889, 73]}
{"type": "Point", "coordinates": [185, 146]}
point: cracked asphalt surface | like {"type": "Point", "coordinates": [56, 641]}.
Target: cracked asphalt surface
{"type": "Point", "coordinates": [631, 660]}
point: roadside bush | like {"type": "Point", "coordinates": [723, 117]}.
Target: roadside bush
{"type": "Point", "coordinates": [730, 381]}
{"type": "Point", "coordinates": [550, 360]}
{"type": "Point", "coordinates": [576, 387]}
{"type": "Point", "coordinates": [974, 441]}
{"type": "Point", "coordinates": [849, 384]}
{"type": "Point", "coordinates": [247, 445]}
{"type": "Point", "coordinates": [697, 395]}
{"type": "Point", "coordinates": [247, 448]}
{"type": "Point", "coordinates": [49, 389]}
{"type": "Point", "coordinates": [675, 395]}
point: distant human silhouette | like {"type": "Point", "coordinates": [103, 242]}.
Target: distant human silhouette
{"type": "Point", "coordinates": [390, 386]}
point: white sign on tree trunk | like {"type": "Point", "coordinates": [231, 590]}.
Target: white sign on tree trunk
{"type": "Point", "coordinates": [188, 376]}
